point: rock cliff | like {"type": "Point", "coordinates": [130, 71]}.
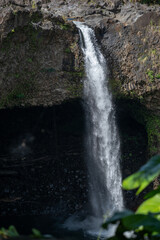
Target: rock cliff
{"type": "Point", "coordinates": [41, 64]}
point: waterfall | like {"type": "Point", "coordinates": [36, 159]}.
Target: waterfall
{"type": "Point", "coordinates": [102, 140]}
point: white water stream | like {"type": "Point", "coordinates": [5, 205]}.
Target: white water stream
{"type": "Point", "coordinates": [103, 144]}
{"type": "Point", "coordinates": [102, 140]}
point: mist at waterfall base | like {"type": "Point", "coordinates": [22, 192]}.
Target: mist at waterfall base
{"type": "Point", "coordinates": [101, 141]}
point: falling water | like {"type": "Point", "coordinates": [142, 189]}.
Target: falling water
{"type": "Point", "coordinates": [102, 140]}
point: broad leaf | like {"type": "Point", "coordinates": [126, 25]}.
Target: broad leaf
{"type": "Point", "coordinates": [151, 205]}
{"type": "Point", "coordinates": [116, 217]}
{"type": "Point", "coordinates": [36, 233]}
{"type": "Point", "coordinates": [148, 222]}
{"type": "Point", "coordinates": [10, 232]}
{"type": "Point", "coordinates": [152, 193]}
{"type": "Point", "coordinates": [144, 176]}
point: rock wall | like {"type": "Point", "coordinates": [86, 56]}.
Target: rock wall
{"type": "Point", "coordinates": [131, 44]}
{"type": "Point", "coordinates": [40, 61]}
{"type": "Point", "coordinates": [39, 49]}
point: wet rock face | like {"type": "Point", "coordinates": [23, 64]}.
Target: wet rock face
{"type": "Point", "coordinates": [133, 49]}
{"type": "Point", "coordinates": [43, 65]}
{"type": "Point", "coordinates": [40, 62]}
{"type": "Point", "coordinates": [22, 2]}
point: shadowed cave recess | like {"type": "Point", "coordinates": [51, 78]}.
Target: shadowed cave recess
{"type": "Point", "coordinates": [43, 170]}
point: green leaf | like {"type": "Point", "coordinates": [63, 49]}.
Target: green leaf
{"type": "Point", "coordinates": [20, 95]}
{"type": "Point", "coordinates": [152, 193]}
{"type": "Point", "coordinates": [151, 205]}
{"type": "Point", "coordinates": [158, 76]}
{"type": "Point", "coordinates": [148, 222]}
{"type": "Point", "coordinates": [3, 232]}
{"type": "Point", "coordinates": [36, 233]}
{"type": "Point", "coordinates": [116, 217]}
{"type": "Point", "coordinates": [12, 232]}
{"type": "Point", "coordinates": [144, 176]}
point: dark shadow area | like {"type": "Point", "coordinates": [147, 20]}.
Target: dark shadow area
{"type": "Point", "coordinates": [133, 147]}
{"type": "Point", "coordinates": [42, 164]}
{"type": "Point", "coordinates": [43, 176]}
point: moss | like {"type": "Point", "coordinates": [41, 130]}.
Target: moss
{"type": "Point", "coordinates": [153, 132]}
{"type": "Point", "coordinates": [63, 25]}
{"type": "Point", "coordinates": [153, 51]}
{"type": "Point", "coordinates": [29, 60]}
{"type": "Point", "coordinates": [33, 4]}
{"type": "Point", "coordinates": [48, 70]}
{"type": "Point", "coordinates": [76, 74]}
{"type": "Point", "coordinates": [115, 86]}
{"type": "Point", "coordinates": [33, 36]}
{"type": "Point", "coordinates": [157, 76]}
{"type": "Point", "coordinates": [67, 50]}
{"type": "Point", "coordinates": [75, 90]}
{"type": "Point", "coordinates": [20, 92]}
{"type": "Point", "coordinates": [150, 74]}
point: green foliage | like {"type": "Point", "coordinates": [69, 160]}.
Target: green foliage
{"type": "Point", "coordinates": [36, 233]}
{"type": "Point", "coordinates": [152, 123]}
{"type": "Point", "coordinates": [158, 76]}
{"type": "Point", "coordinates": [10, 232]}
{"type": "Point", "coordinates": [34, 36]}
{"type": "Point", "coordinates": [18, 93]}
{"type": "Point", "coordinates": [64, 26]}
{"type": "Point", "coordinates": [30, 60]}
{"type": "Point", "coordinates": [67, 50]}
{"type": "Point", "coordinates": [116, 87]}
{"type": "Point", "coordinates": [144, 176]}
{"type": "Point", "coordinates": [152, 193]}
{"type": "Point", "coordinates": [150, 74]}
{"type": "Point", "coordinates": [145, 223]}
{"type": "Point", "coordinates": [150, 205]}
{"type": "Point", "coordinates": [75, 90]}
{"type": "Point", "coordinates": [33, 4]}
{"type": "Point", "coordinates": [142, 225]}
{"type": "Point", "coordinates": [76, 74]}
